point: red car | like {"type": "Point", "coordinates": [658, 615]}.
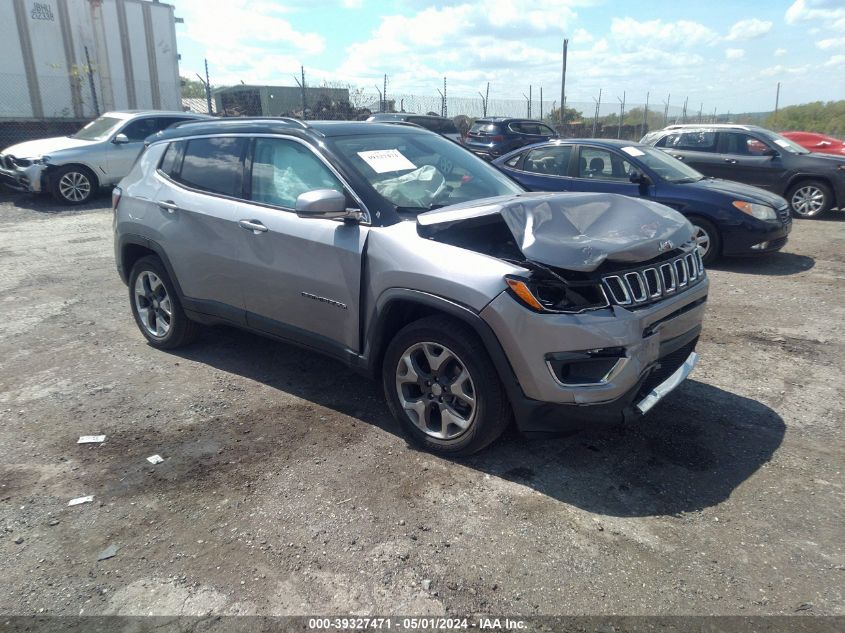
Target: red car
{"type": "Point", "coordinates": [817, 142]}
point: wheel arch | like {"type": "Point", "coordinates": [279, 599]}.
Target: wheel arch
{"type": "Point", "coordinates": [131, 248]}
{"type": "Point", "coordinates": [52, 169]}
{"type": "Point", "coordinates": [397, 307]}
{"type": "Point", "coordinates": [803, 177]}
{"type": "Point", "coordinates": [692, 216]}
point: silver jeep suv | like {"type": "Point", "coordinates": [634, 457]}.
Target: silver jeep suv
{"type": "Point", "coordinates": [410, 259]}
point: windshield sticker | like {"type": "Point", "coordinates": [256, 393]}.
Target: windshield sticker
{"type": "Point", "coordinates": [633, 151]}
{"type": "Point", "coordinates": [385, 160]}
{"type": "Point", "coordinates": [781, 142]}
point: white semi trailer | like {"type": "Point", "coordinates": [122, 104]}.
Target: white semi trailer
{"type": "Point", "coordinates": [74, 59]}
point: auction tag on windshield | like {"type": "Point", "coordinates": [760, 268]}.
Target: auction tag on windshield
{"type": "Point", "coordinates": [633, 151]}
{"type": "Point", "coordinates": [385, 160]}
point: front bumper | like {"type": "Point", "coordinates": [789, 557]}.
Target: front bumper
{"type": "Point", "coordinates": [22, 178]}
{"type": "Point", "coordinates": [757, 238]}
{"type": "Point", "coordinates": [655, 340]}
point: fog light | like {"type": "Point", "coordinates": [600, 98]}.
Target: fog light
{"type": "Point", "coordinates": [593, 367]}
{"type": "Point", "coordinates": [761, 246]}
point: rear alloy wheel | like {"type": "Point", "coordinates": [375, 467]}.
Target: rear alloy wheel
{"type": "Point", "coordinates": [73, 185]}
{"type": "Point", "coordinates": [809, 199]}
{"type": "Point", "coordinates": [707, 239]}
{"type": "Point", "coordinates": [442, 387]}
{"type": "Point", "coordinates": [156, 306]}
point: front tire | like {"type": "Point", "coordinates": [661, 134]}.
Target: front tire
{"type": "Point", "coordinates": [809, 199]}
{"type": "Point", "coordinates": [156, 306]}
{"type": "Point", "coordinates": [442, 387]}
{"type": "Point", "coordinates": [74, 184]}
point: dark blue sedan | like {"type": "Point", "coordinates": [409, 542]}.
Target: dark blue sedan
{"type": "Point", "coordinates": [730, 218]}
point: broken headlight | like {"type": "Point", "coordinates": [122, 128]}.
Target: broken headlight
{"type": "Point", "coordinates": [556, 295]}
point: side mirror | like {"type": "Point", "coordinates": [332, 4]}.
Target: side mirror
{"type": "Point", "coordinates": [639, 178]}
{"type": "Point", "coordinates": [327, 204]}
{"type": "Point", "coordinates": [770, 152]}
{"type": "Point", "coordinates": [120, 139]}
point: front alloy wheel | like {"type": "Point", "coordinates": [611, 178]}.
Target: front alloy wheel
{"type": "Point", "coordinates": [702, 239]}
{"type": "Point", "coordinates": [75, 187]}
{"type": "Point", "coordinates": [436, 390]}
{"type": "Point", "coordinates": [808, 200]}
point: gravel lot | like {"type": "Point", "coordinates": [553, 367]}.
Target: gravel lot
{"type": "Point", "coordinates": [286, 489]}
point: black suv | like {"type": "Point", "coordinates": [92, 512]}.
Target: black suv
{"type": "Point", "coordinates": [812, 183]}
{"type": "Point", "coordinates": [495, 136]}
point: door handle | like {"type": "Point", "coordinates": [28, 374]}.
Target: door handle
{"type": "Point", "coordinates": [253, 225]}
{"type": "Point", "coordinates": [732, 161]}
{"type": "Point", "coordinates": [679, 157]}
{"type": "Point", "coordinates": [168, 205]}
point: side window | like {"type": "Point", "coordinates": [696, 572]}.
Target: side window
{"type": "Point", "coordinates": [693, 140]}
{"type": "Point", "coordinates": [171, 162]}
{"type": "Point", "coordinates": [162, 123]}
{"type": "Point", "coordinates": [601, 164]}
{"type": "Point", "coordinates": [215, 165]}
{"type": "Point", "coordinates": [519, 128]}
{"type": "Point", "coordinates": [545, 130]}
{"type": "Point", "coordinates": [513, 161]}
{"type": "Point", "coordinates": [553, 161]}
{"type": "Point", "coordinates": [741, 144]}
{"type": "Point", "coordinates": [140, 129]}
{"type": "Point", "coordinates": [283, 170]}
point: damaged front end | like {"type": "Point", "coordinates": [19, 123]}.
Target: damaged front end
{"type": "Point", "coordinates": [582, 251]}
{"type": "Point", "coordinates": [604, 321]}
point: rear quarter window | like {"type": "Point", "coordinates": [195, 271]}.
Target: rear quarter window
{"type": "Point", "coordinates": [171, 161]}
{"type": "Point", "coordinates": [693, 140]}
{"type": "Point", "coordinates": [484, 128]}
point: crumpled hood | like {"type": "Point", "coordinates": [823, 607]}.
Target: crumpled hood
{"type": "Point", "coordinates": [573, 231]}
{"type": "Point", "coordinates": [42, 146]}
{"type": "Point", "coordinates": [739, 191]}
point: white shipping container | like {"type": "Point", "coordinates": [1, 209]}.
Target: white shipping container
{"type": "Point", "coordinates": [46, 48]}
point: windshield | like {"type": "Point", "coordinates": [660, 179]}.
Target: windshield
{"type": "Point", "coordinates": [784, 143]}
{"type": "Point", "coordinates": [98, 129]}
{"type": "Point", "coordinates": [666, 167]}
{"type": "Point", "coordinates": [420, 172]}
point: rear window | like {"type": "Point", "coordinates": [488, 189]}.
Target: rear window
{"type": "Point", "coordinates": [484, 128]}
{"type": "Point", "coordinates": [172, 159]}
{"type": "Point", "coordinates": [215, 165]}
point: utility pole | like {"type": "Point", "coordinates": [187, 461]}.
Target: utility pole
{"type": "Point", "coordinates": [380, 100]}
{"type": "Point", "coordinates": [645, 116]}
{"type": "Point", "coordinates": [486, 98]}
{"type": "Point", "coordinates": [207, 88]}
{"type": "Point", "coordinates": [445, 107]}
{"type": "Point", "coordinates": [384, 93]}
{"type": "Point", "coordinates": [563, 83]}
{"type": "Point", "coordinates": [442, 103]}
{"type": "Point", "coordinates": [541, 104]}
{"type": "Point", "coordinates": [777, 98]}
{"type": "Point", "coordinates": [714, 115]}
{"type": "Point", "coordinates": [621, 114]}
{"type": "Point", "coordinates": [483, 105]}
{"type": "Point", "coordinates": [684, 112]}
{"type": "Point", "coordinates": [596, 115]}
{"type": "Point", "coordinates": [666, 110]}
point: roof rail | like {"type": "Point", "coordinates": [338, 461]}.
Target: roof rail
{"type": "Point", "coordinates": [291, 119]}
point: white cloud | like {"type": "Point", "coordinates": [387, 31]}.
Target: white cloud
{"type": "Point", "coordinates": [830, 13]}
{"type": "Point", "coordinates": [631, 32]}
{"type": "Point", "coordinates": [734, 53]}
{"type": "Point", "coordinates": [780, 70]}
{"type": "Point", "coordinates": [749, 29]}
{"type": "Point", "coordinates": [832, 44]}
{"type": "Point", "coordinates": [836, 60]}
{"type": "Point", "coordinates": [582, 36]}
{"type": "Point", "coordinates": [353, 4]}
{"type": "Point", "coordinates": [780, 52]}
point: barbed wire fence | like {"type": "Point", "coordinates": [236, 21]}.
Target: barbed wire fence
{"type": "Point", "coordinates": [608, 114]}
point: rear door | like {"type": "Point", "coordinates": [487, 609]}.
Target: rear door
{"type": "Point", "coordinates": [748, 159]}
{"type": "Point", "coordinates": [301, 278]}
{"type": "Point", "coordinates": [697, 148]}
{"type": "Point", "coordinates": [197, 205]}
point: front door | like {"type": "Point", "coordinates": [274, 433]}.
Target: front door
{"type": "Point", "coordinates": [301, 278]}
{"type": "Point", "coordinates": [546, 169]}
{"type": "Point", "coordinates": [697, 148]}
{"type": "Point", "coordinates": [604, 171]}
{"type": "Point", "coordinates": [748, 159]}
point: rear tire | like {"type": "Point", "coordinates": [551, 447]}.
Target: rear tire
{"type": "Point", "coordinates": [74, 184]}
{"type": "Point", "coordinates": [809, 199]}
{"type": "Point", "coordinates": [709, 242]}
{"type": "Point", "coordinates": [443, 389]}
{"type": "Point", "coordinates": [156, 306]}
